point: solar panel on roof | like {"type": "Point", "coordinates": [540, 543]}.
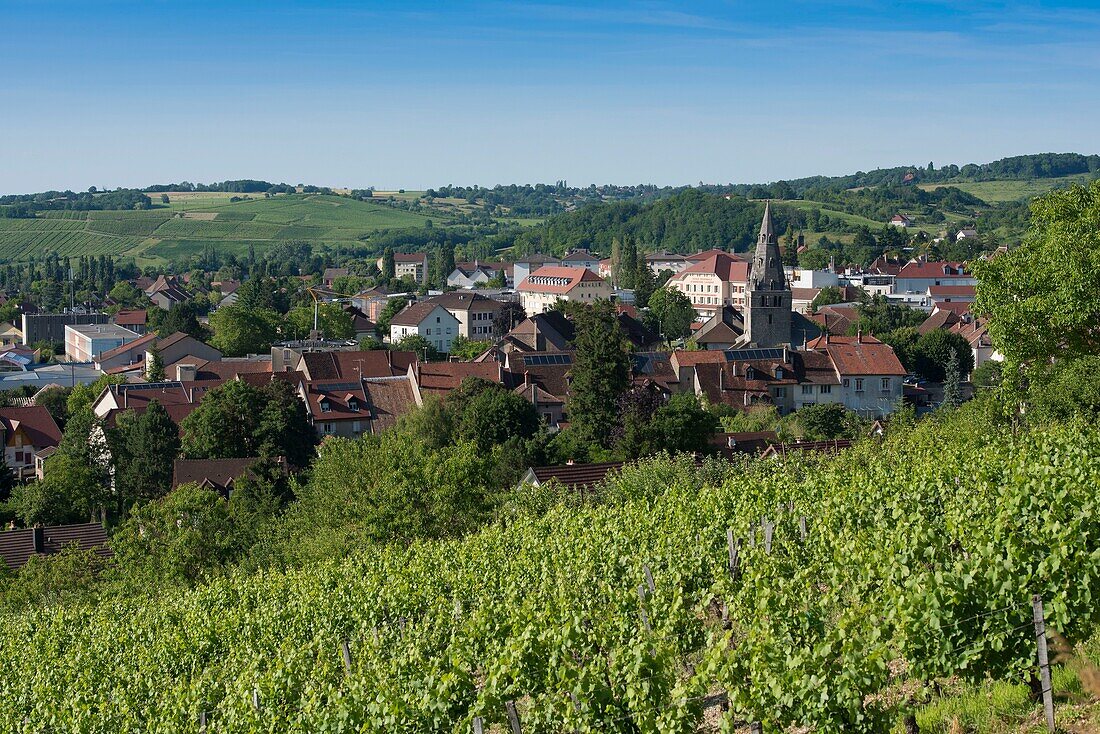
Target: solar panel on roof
{"type": "Point", "coordinates": [339, 386]}
{"type": "Point", "coordinates": [742, 354]}
{"type": "Point", "coordinates": [547, 359]}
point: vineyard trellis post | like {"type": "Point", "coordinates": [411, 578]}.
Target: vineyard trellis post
{"type": "Point", "coordinates": [202, 722]}
{"type": "Point", "coordinates": [479, 726]}
{"type": "Point", "coordinates": [735, 552]}
{"type": "Point", "coordinates": [513, 717]}
{"type": "Point", "coordinates": [345, 651]}
{"type": "Point", "coordinates": [1044, 662]}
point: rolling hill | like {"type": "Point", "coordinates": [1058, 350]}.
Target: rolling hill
{"type": "Point", "coordinates": [191, 222]}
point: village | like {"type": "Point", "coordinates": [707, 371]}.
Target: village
{"type": "Point", "coordinates": [758, 340]}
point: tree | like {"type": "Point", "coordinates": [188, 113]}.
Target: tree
{"type": "Point", "coordinates": [384, 488]}
{"type": "Point", "coordinates": [393, 307]}
{"type": "Point", "coordinates": [495, 415]}
{"type": "Point", "coordinates": [510, 314]}
{"type": "Point", "coordinates": [181, 317]}
{"type": "Point", "coordinates": [828, 295]}
{"type": "Point", "coordinates": [144, 449]}
{"type": "Point", "coordinates": [672, 313]}
{"type": "Point", "coordinates": [180, 539]}
{"type": "Point", "coordinates": [823, 421]}
{"type": "Point", "coordinates": [932, 351]}
{"type": "Point", "coordinates": [389, 266]}
{"type": "Point", "coordinates": [952, 397]}
{"type": "Point", "coordinates": [225, 424]}
{"type": "Point", "coordinates": [333, 320]}
{"type": "Point", "coordinates": [644, 282]}
{"type": "Point", "coordinates": [987, 375]}
{"type": "Point", "coordinates": [601, 372]}
{"type": "Point", "coordinates": [70, 491]}
{"type": "Point", "coordinates": [682, 425]}
{"type": "Point", "coordinates": [284, 429]}
{"type": "Point", "coordinates": [239, 331]}
{"type": "Point", "coordinates": [237, 420]}
{"type": "Point", "coordinates": [260, 293]}
{"type": "Point", "coordinates": [902, 342]}
{"type": "Point", "coordinates": [154, 371]}
{"type": "Point", "coordinates": [425, 350]}
{"type": "Point", "coordinates": [164, 199]}
{"type": "Point", "coordinates": [1041, 296]}
{"type": "Point", "coordinates": [126, 294]}
{"type": "Point", "coordinates": [467, 349]}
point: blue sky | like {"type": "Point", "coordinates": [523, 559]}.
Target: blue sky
{"type": "Point", "coordinates": [402, 94]}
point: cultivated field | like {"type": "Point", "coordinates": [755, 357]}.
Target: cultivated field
{"type": "Point", "coordinates": [193, 220]}
{"type": "Point", "coordinates": [996, 191]}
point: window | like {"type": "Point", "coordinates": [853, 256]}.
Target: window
{"type": "Point", "coordinates": [437, 319]}
{"type": "Point", "coordinates": [859, 384]}
{"type": "Point", "coordinates": [353, 404]}
{"type": "Point", "coordinates": [328, 427]}
{"type": "Point", "coordinates": [781, 392]}
{"type": "Point", "coordinates": [326, 406]}
{"type": "Point", "coordinates": [356, 427]}
{"type": "Point", "coordinates": [846, 382]}
{"type": "Point", "coordinates": [807, 389]}
{"type": "Point", "coordinates": [825, 389]}
{"type": "Point", "coordinates": [885, 383]}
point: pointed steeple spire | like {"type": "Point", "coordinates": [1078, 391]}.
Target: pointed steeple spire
{"type": "Point", "coordinates": [767, 262]}
{"type": "Point", "coordinates": [767, 228]}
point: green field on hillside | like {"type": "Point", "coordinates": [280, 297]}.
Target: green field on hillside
{"type": "Point", "coordinates": [833, 213]}
{"type": "Point", "coordinates": [1009, 190]}
{"type": "Point", "coordinates": [191, 222]}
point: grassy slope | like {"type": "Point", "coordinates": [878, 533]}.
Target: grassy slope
{"type": "Point", "coordinates": [997, 191]}
{"type": "Point", "coordinates": [156, 235]}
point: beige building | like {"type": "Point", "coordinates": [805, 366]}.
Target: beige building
{"type": "Point", "coordinates": [543, 288]}
{"type": "Point", "coordinates": [475, 313]}
{"type": "Point", "coordinates": [710, 284]}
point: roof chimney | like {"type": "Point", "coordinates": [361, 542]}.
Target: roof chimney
{"type": "Point", "coordinates": [38, 540]}
{"type": "Point", "coordinates": [859, 335]}
{"type": "Point", "coordinates": [569, 462]}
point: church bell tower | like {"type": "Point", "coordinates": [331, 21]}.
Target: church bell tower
{"type": "Point", "coordinates": [768, 297]}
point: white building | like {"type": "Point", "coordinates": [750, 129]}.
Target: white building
{"type": "Point", "coordinates": [543, 288]}
{"type": "Point", "coordinates": [475, 313]}
{"type": "Point", "coordinates": [85, 342]}
{"type": "Point", "coordinates": [806, 278]}
{"type": "Point", "coordinates": [429, 320]}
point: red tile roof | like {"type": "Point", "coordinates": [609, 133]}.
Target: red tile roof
{"type": "Point", "coordinates": [443, 377]}
{"type": "Point", "coordinates": [414, 314]}
{"type": "Point", "coordinates": [35, 421]}
{"type": "Point", "coordinates": [951, 290]}
{"type": "Point", "coordinates": [925, 269]}
{"type": "Point", "coordinates": [132, 317]}
{"type": "Point", "coordinates": [352, 365]}
{"type": "Point", "coordinates": [217, 473]}
{"type": "Point", "coordinates": [860, 356]}
{"type": "Point", "coordinates": [572, 275]}
{"type": "Point", "coordinates": [723, 265]}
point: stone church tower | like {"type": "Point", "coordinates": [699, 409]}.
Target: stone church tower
{"type": "Point", "coordinates": [767, 298]}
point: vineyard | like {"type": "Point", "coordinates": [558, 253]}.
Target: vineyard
{"type": "Point", "coordinates": [190, 225]}
{"type": "Point", "coordinates": [811, 592]}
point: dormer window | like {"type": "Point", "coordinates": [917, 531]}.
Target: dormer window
{"type": "Point", "coordinates": [353, 404]}
{"type": "Point", "coordinates": [779, 373]}
{"type": "Point", "coordinates": [326, 406]}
